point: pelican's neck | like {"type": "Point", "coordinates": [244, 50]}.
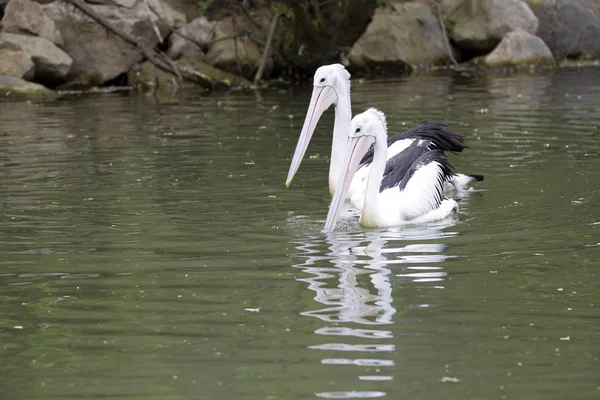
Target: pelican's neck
{"type": "Point", "coordinates": [341, 125]}
{"type": "Point", "coordinates": [375, 176]}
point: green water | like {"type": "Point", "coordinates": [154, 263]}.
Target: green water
{"type": "Point", "coordinates": [150, 250]}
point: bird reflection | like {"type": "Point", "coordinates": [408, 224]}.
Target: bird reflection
{"type": "Point", "coordinates": [352, 260]}
{"type": "Point", "coordinates": [352, 276]}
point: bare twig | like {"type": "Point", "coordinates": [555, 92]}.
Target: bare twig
{"type": "Point", "coordinates": [446, 41]}
{"type": "Point", "coordinates": [235, 47]}
{"type": "Point", "coordinates": [265, 54]}
{"type": "Point", "coordinates": [156, 30]}
{"type": "Point", "coordinates": [247, 14]}
{"type": "Point", "coordinates": [156, 81]}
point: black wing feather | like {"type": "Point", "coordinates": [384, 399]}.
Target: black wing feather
{"type": "Point", "coordinates": [432, 131]}
{"type": "Point", "coordinates": [400, 168]}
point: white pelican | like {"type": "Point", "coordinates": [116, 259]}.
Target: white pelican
{"type": "Point", "coordinates": [408, 188]}
{"type": "Point", "coordinates": [332, 87]}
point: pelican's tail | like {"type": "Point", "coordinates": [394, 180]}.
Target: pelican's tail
{"type": "Point", "coordinates": [461, 181]}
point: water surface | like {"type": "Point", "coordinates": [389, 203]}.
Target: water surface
{"type": "Point", "coordinates": [149, 249]}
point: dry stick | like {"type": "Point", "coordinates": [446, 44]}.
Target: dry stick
{"type": "Point", "coordinates": [439, 12]}
{"type": "Point", "coordinates": [247, 14]}
{"type": "Point", "coordinates": [265, 54]}
{"type": "Point", "coordinates": [156, 30]}
{"type": "Point", "coordinates": [235, 46]}
{"type": "Point", "coordinates": [160, 40]}
{"type": "Point", "coordinates": [151, 55]}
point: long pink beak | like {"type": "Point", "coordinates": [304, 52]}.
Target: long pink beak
{"type": "Point", "coordinates": [322, 98]}
{"type": "Point", "coordinates": [357, 148]}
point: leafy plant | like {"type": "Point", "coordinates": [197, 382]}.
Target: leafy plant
{"type": "Point", "coordinates": [204, 5]}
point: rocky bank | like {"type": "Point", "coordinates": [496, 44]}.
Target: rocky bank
{"type": "Point", "coordinates": [54, 44]}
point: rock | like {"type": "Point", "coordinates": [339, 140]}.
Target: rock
{"type": "Point", "coordinates": [200, 30]}
{"type": "Point", "coordinates": [122, 3]}
{"type": "Point", "coordinates": [17, 64]}
{"type": "Point", "coordinates": [570, 28]}
{"type": "Point", "coordinates": [222, 54]}
{"type": "Point", "coordinates": [163, 11]}
{"type": "Point", "coordinates": [26, 16]}
{"type": "Point", "coordinates": [51, 63]}
{"type": "Point", "coordinates": [145, 76]}
{"type": "Point", "coordinates": [520, 48]}
{"type": "Point", "coordinates": [100, 56]}
{"type": "Point", "coordinates": [477, 26]}
{"type": "Point", "coordinates": [409, 35]}
{"type": "Point", "coordinates": [10, 84]}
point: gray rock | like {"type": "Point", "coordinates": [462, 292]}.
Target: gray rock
{"type": "Point", "coordinates": [409, 35]}
{"type": "Point", "coordinates": [17, 64]}
{"type": "Point", "coordinates": [26, 16]}
{"type": "Point", "coordinates": [51, 63]}
{"type": "Point", "coordinates": [520, 48]}
{"type": "Point", "coordinates": [162, 11]}
{"type": "Point", "coordinates": [477, 26]}
{"type": "Point", "coordinates": [11, 84]}
{"type": "Point", "coordinates": [570, 28]}
{"type": "Point", "coordinates": [98, 55]}
{"type": "Point", "coordinates": [223, 55]}
{"type": "Point", "coordinates": [199, 30]}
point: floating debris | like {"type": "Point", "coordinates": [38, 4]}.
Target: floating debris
{"type": "Point", "coordinates": [449, 379]}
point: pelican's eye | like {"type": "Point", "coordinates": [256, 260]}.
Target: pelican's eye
{"type": "Point", "coordinates": [358, 130]}
{"type": "Point", "coordinates": [323, 80]}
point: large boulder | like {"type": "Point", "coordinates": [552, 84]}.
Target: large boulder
{"type": "Point", "coordinates": [98, 55]}
{"type": "Point", "coordinates": [520, 48]}
{"type": "Point", "coordinates": [200, 30]}
{"type": "Point", "coordinates": [26, 16]}
{"type": "Point", "coordinates": [51, 63]}
{"type": "Point", "coordinates": [407, 35]}
{"type": "Point", "coordinates": [477, 26]}
{"type": "Point", "coordinates": [227, 53]}
{"type": "Point", "coordinates": [16, 63]}
{"type": "Point", "coordinates": [570, 28]}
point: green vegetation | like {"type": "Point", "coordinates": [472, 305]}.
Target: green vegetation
{"type": "Point", "coordinates": [204, 5]}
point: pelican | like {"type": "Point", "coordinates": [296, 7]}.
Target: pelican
{"type": "Point", "coordinates": [408, 188]}
{"type": "Point", "coordinates": [332, 87]}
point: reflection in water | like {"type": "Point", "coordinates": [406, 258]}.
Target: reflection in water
{"type": "Point", "coordinates": [357, 289]}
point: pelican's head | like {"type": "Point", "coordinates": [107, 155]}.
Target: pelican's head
{"type": "Point", "coordinates": [335, 77]}
{"type": "Point", "coordinates": [370, 123]}
{"type": "Point", "coordinates": [329, 84]}
{"type": "Point", "coordinates": [365, 129]}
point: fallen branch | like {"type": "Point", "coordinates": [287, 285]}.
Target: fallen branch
{"type": "Point", "coordinates": [159, 59]}
{"type": "Point", "coordinates": [265, 54]}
